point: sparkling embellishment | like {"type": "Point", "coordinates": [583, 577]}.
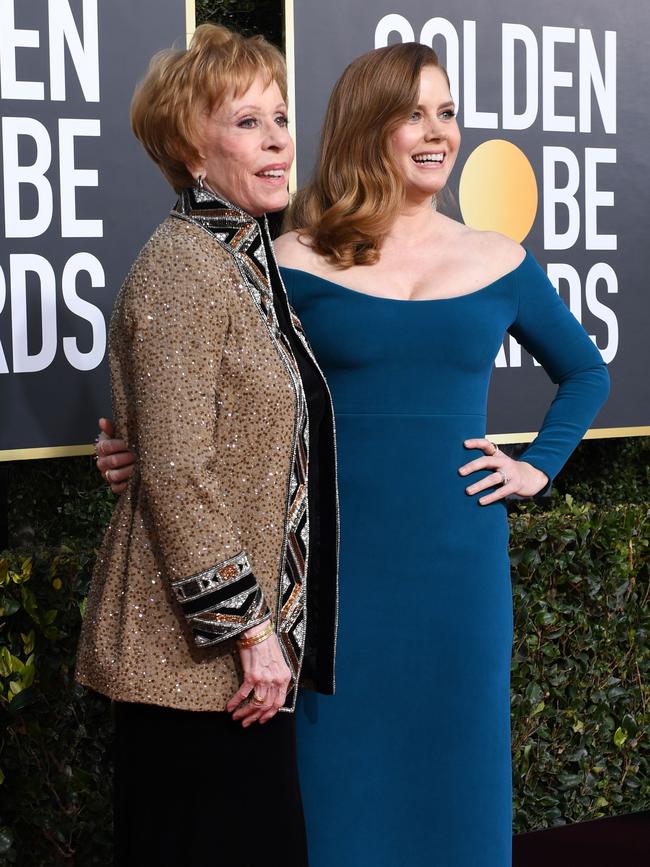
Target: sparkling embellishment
{"type": "Point", "coordinates": [208, 394]}
{"type": "Point", "coordinates": [245, 244]}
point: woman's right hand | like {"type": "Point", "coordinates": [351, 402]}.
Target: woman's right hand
{"type": "Point", "coordinates": [266, 677]}
{"type": "Point", "coordinates": [115, 460]}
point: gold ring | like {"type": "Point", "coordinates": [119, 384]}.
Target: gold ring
{"type": "Point", "coordinates": [495, 447]}
{"type": "Point", "coordinates": [107, 476]}
{"type": "Point", "coordinates": [257, 700]}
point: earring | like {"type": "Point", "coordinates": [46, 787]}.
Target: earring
{"type": "Point", "coordinates": [199, 183]}
{"type": "Point", "coordinates": [434, 202]}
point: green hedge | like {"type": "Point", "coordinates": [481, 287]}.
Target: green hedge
{"type": "Point", "coordinates": [581, 667]}
{"type": "Point", "coordinates": [607, 472]}
{"type": "Point", "coordinates": [246, 16]}
{"type": "Point", "coordinates": [580, 704]}
{"type": "Point", "coordinates": [55, 737]}
{"type": "Point", "coordinates": [55, 742]}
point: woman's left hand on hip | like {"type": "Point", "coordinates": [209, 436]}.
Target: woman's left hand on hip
{"type": "Point", "coordinates": [508, 476]}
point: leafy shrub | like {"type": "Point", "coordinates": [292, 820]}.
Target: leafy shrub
{"type": "Point", "coordinates": [246, 16]}
{"type": "Point", "coordinates": [608, 471]}
{"type": "Point", "coordinates": [581, 666]}
{"type": "Point", "coordinates": [55, 502]}
{"type": "Point", "coordinates": [580, 703]}
{"type": "Point", "coordinates": [55, 742]}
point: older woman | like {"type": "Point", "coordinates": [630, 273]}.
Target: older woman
{"type": "Point", "coordinates": [226, 538]}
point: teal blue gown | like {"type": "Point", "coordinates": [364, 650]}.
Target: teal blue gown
{"type": "Point", "coordinates": [408, 764]}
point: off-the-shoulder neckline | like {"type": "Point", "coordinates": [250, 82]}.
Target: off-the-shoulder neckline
{"type": "Point", "coordinates": [388, 299]}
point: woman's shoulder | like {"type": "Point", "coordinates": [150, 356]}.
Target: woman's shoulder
{"type": "Point", "coordinates": [180, 253]}
{"type": "Point", "coordinates": [182, 270]}
{"type": "Point", "coordinates": [183, 243]}
{"type": "Point", "coordinates": [293, 250]}
{"type": "Point", "coordinates": [497, 252]}
{"type": "Point", "coordinates": [488, 255]}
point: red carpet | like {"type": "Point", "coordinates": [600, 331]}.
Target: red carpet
{"type": "Point", "coordinates": [613, 842]}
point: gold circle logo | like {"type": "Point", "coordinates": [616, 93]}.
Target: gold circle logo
{"type": "Point", "coordinates": [498, 190]}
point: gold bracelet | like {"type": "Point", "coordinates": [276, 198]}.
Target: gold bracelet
{"type": "Point", "coordinates": [256, 639]}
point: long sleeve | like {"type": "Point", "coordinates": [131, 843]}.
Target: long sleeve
{"type": "Point", "coordinates": [548, 330]}
{"type": "Point", "coordinates": [170, 325]}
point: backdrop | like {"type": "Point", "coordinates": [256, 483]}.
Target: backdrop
{"type": "Point", "coordinates": [552, 106]}
{"type": "Point", "coordinates": [552, 102]}
{"type": "Point", "coordinates": [78, 197]}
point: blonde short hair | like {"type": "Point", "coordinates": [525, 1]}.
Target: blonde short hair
{"type": "Point", "coordinates": [180, 85]}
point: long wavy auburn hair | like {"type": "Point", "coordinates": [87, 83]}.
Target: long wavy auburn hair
{"type": "Point", "coordinates": [350, 204]}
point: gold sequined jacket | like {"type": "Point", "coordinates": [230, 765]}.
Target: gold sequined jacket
{"type": "Point", "coordinates": [213, 534]}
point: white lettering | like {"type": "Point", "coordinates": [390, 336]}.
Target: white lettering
{"type": "Point", "coordinates": [442, 27]}
{"type": "Point", "coordinates": [3, 301]}
{"type": "Point", "coordinates": [595, 198]}
{"type": "Point", "coordinates": [393, 23]}
{"type": "Point", "coordinates": [513, 33]}
{"type": "Point", "coordinates": [552, 78]}
{"type": "Point", "coordinates": [591, 76]}
{"type": "Point", "coordinates": [594, 83]}
{"type": "Point", "coordinates": [20, 265]}
{"type": "Point", "coordinates": [514, 348]}
{"type": "Point", "coordinates": [471, 116]}
{"type": "Point", "coordinates": [558, 271]}
{"type": "Point", "coordinates": [71, 178]}
{"type": "Point", "coordinates": [603, 271]}
{"type": "Point", "coordinates": [10, 40]}
{"type": "Point", "coordinates": [85, 56]}
{"type": "Point", "coordinates": [554, 195]}
{"type": "Point", "coordinates": [85, 310]}
{"type": "Point", "coordinates": [15, 174]}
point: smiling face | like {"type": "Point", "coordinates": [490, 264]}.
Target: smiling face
{"type": "Point", "coordinates": [425, 146]}
{"type": "Point", "coordinates": [247, 150]}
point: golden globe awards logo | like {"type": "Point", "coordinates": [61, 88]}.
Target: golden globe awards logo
{"type": "Point", "coordinates": [499, 189]}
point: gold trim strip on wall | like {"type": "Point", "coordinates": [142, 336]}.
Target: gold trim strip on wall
{"type": "Point", "coordinates": [50, 452]}
{"type": "Point", "coordinates": [290, 53]}
{"type": "Point", "coordinates": [502, 439]}
{"type": "Point", "coordinates": [601, 433]}
{"type": "Point", "coordinates": [190, 20]}
{"type": "Point", "coordinates": [597, 433]}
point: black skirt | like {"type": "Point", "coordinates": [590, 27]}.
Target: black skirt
{"type": "Point", "coordinates": [195, 788]}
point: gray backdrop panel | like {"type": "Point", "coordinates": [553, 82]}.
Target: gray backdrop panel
{"type": "Point", "coordinates": [59, 405]}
